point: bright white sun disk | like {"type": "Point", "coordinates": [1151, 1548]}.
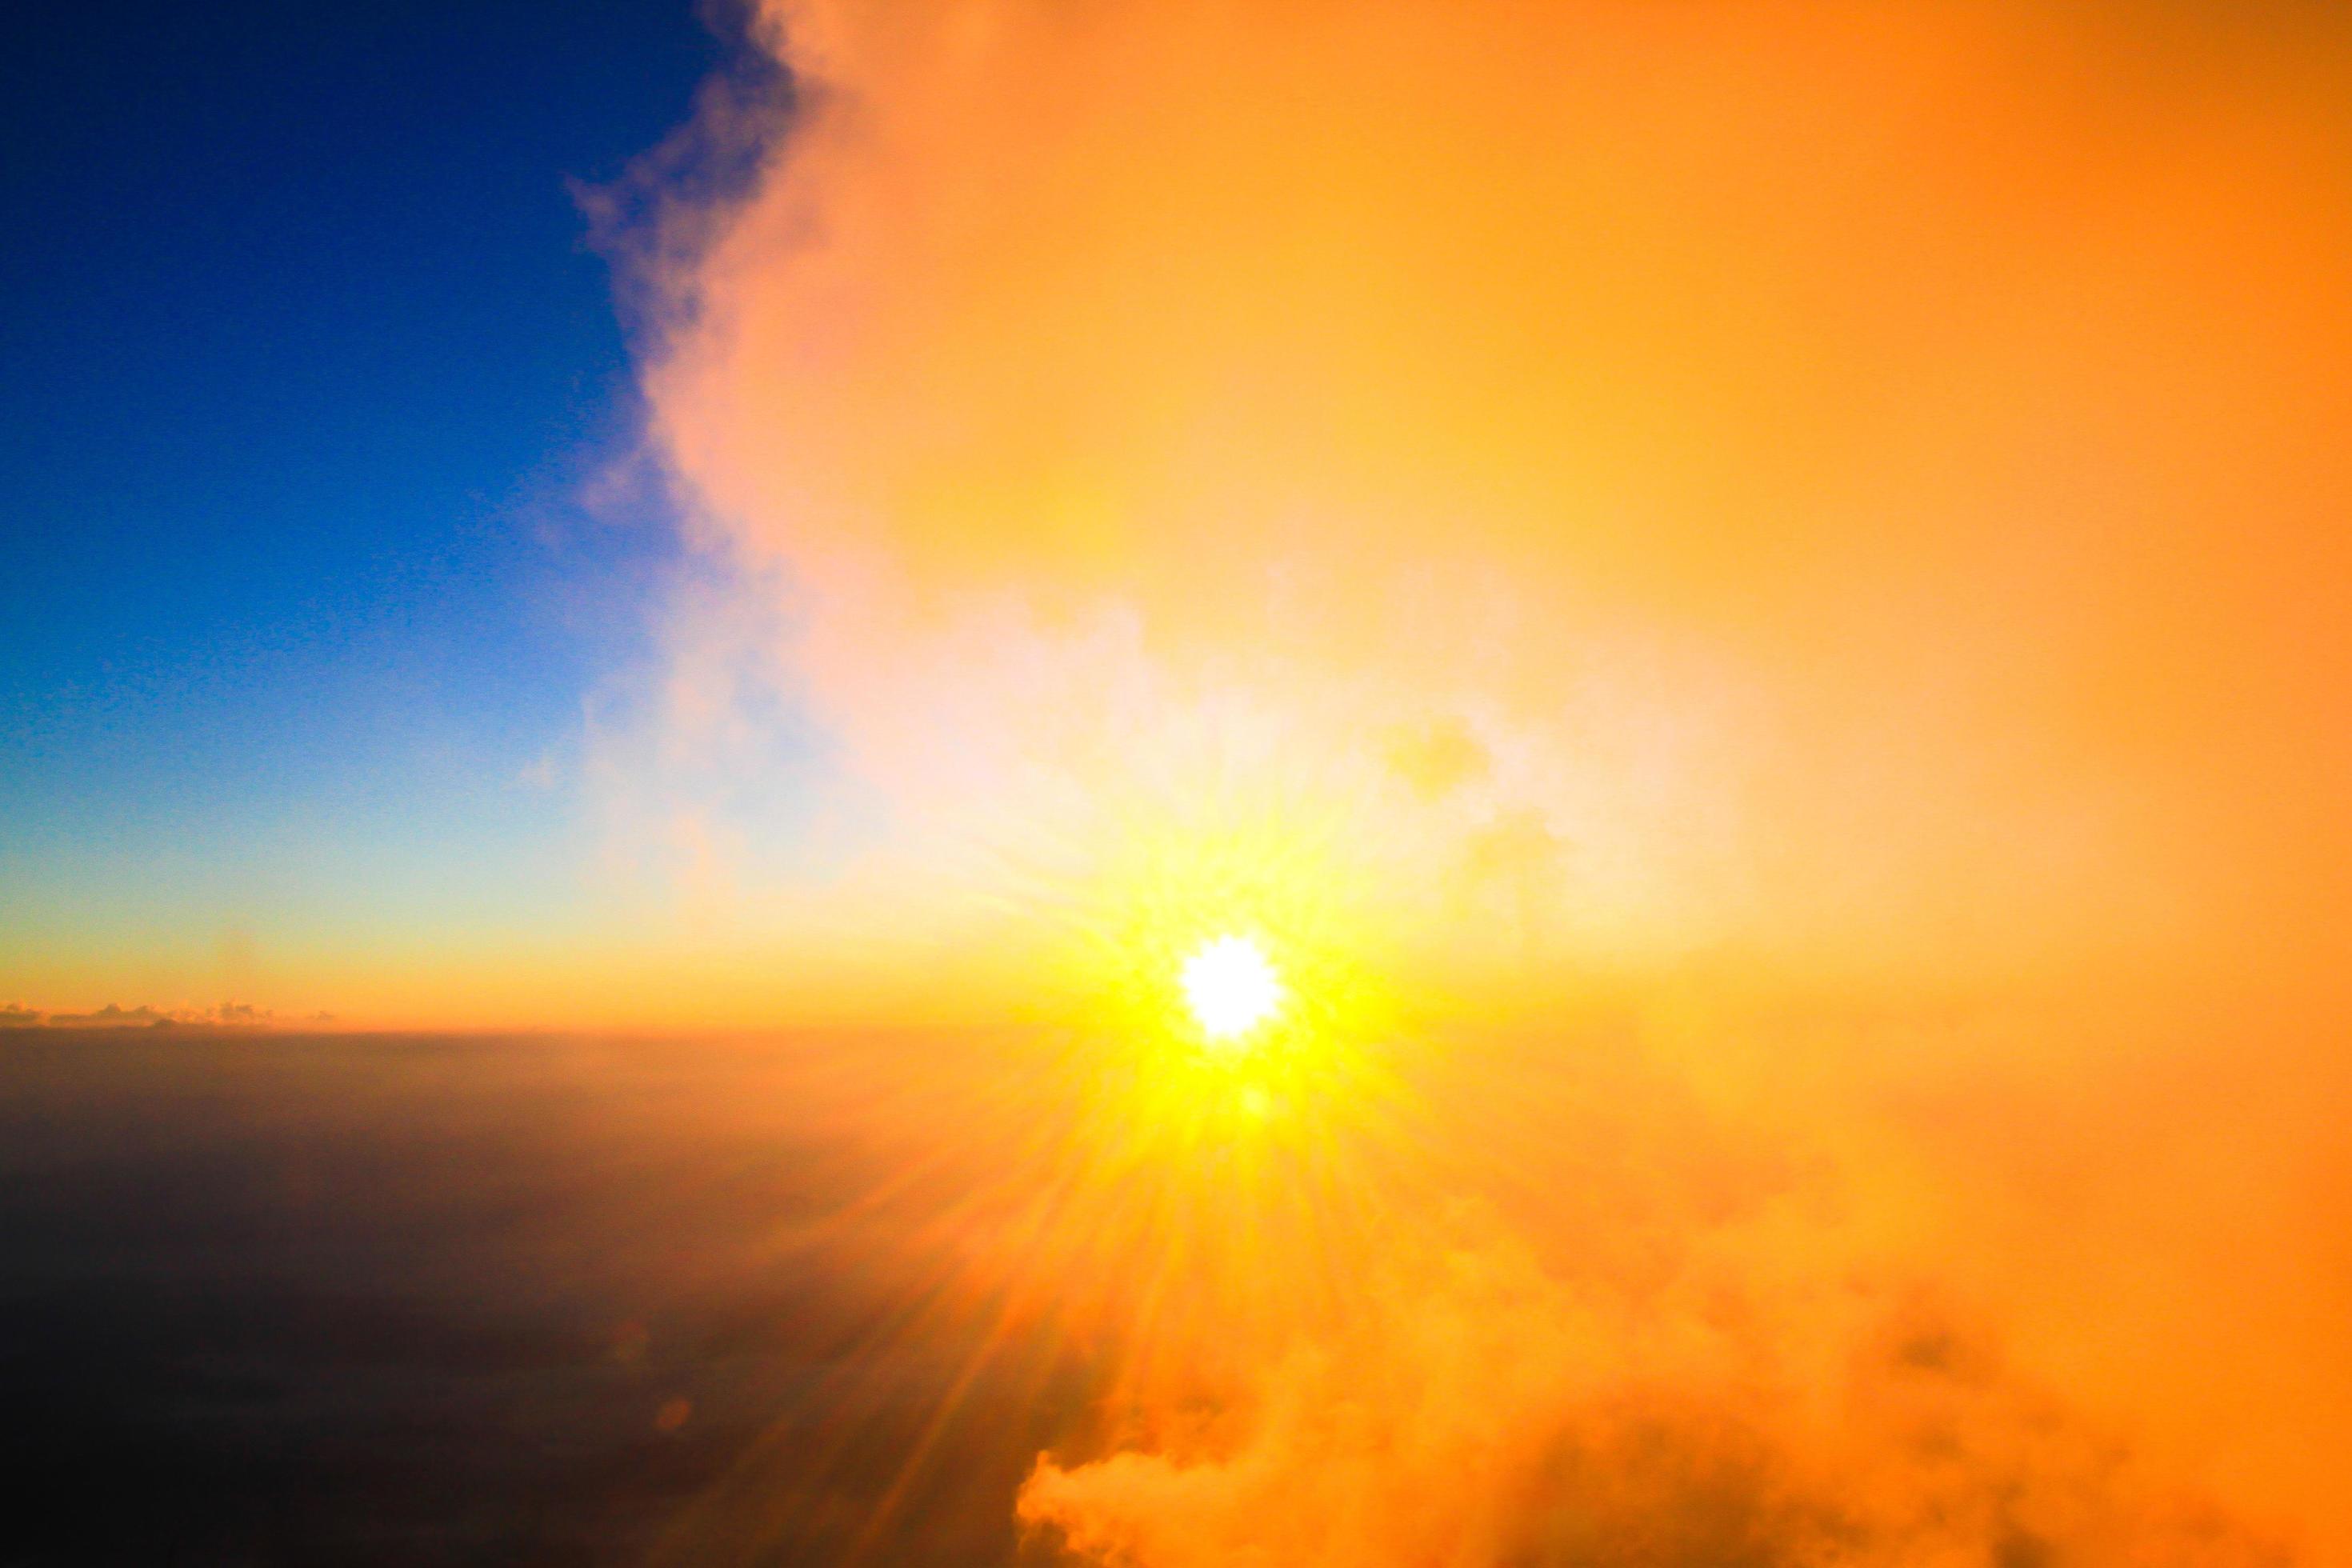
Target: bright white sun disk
{"type": "Point", "coordinates": [1230, 988]}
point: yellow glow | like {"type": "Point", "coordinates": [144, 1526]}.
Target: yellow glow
{"type": "Point", "coordinates": [1231, 989]}
{"type": "Point", "coordinates": [1226, 976]}
{"type": "Point", "coordinates": [1223, 1084]}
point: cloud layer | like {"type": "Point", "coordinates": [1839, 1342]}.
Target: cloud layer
{"type": "Point", "coordinates": [1821, 528]}
{"type": "Point", "coordinates": [230, 1014]}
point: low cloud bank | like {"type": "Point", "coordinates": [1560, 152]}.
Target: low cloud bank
{"type": "Point", "coordinates": [1487, 1412]}
{"type": "Point", "coordinates": [223, 1015]}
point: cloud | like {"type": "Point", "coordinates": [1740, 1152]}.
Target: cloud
{"type": "Point", "coordinates": [1518, 858]}
{"type": "Point", "coordinates": [1489, 1412]}
{"type": "Point", "coordinates": [1703, 505]}
{"type": "Point", "coordinates": [1642, 1321]}
{"type": "Point", "coordinates": [111, 1016]}
{"type": "Point", "coordinates": [226, 1014]}
{"type": "Point", "coordinates": [1437, 758]}
{"type": "Point", "coordinates": [1873, 485]}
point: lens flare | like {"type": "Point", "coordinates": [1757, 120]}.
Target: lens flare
{"type": "Point", "coordinates": [1230, 989]}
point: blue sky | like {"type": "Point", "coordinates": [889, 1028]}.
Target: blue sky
{"type": "Point", "coordinates": [309, 364]}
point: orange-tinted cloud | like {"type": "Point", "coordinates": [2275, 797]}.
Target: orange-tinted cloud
{"type": "Point", "coordinates": [113, 1015]}
{"type": "Point", "coordinates": [1732, 504]}
{"type": "Point", "coordinates": [1872, 482]}
{"type": "Point", "coordinates": [1492, 1414]}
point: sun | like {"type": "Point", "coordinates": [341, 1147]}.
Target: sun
{"type": "Point", "coordinates": [1232, 988]}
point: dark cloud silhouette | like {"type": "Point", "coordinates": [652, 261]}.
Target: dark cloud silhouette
{"type": "Point", "coordinates": [226, 1014]}
{"type": "Point", "coordinates": [114, 1016]}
